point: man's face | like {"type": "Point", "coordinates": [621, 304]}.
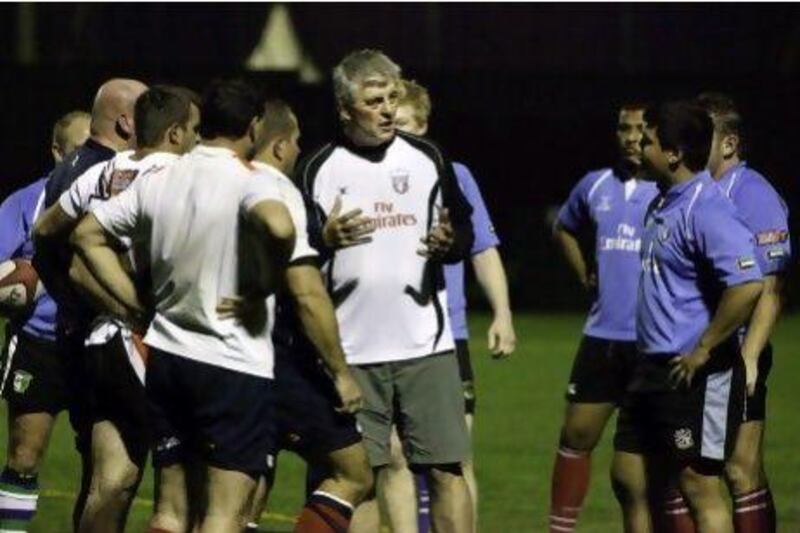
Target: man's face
{"type": "Point", "coordinates": [74, 137]}
{"type": "Point", "coordinates": [192, 130]}
{"type": "Point", "coordinates": [371, 115]}
{"type": "Point", "coordinates": [292, 148]}
{"type": "Point", "coordinates": [629, 135]}
{"type": "Point", "coordinates": [654, 159]}
{"type": "Point", "coordinates": [407, 120]}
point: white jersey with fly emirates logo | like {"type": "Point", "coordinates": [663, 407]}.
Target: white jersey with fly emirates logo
{"type": "Point", "coordinates": [96, 185]}
{"type": "Point", "coordinates": [189, 218]}
{"type": "Point", "coordinates": [391, 303]}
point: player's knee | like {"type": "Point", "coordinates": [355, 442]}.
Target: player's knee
{"type": "Point", "coordinates": [743, 475]}
{"type": "Point", "coordinates": [115, 480]}
{"type": "Point", "coordinates": [628, 487]}
{"type": "Point", "coordinates": [579, 437]}
{"type": "Point", "coordinates": [699, 484]}
{"type": "Point", "coordinates": [442, 475]}
{"type": "Point", "coordinates": [25, 459]}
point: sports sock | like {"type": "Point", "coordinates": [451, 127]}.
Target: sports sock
{"type": "Point", "coordinates": [674, 516]}
{"type": "Point", "coordinates": [19, 495]}
{"type": "Point", "coordinates": [324, 513]}
{"type": "Point", "coordinates": [751, 512]}
{"type": "Point", "coordinates": [423, 504]}
{"type": "Point", "coordinates": [772, 515]}
{"type": "Point", "coordinates": [570, 484]}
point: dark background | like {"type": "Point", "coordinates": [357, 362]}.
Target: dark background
{"type": "Point", "coordinates": [525, 94]}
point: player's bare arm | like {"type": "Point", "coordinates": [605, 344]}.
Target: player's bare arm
{"type": "Point", "coordinates": [54, 222]}
{"type": "Point", "coordinates": [492, 277]}
{"type": "Point", "coordinates": [316, 313]}
{"type": "Point", "coordinates": [343, 230]}
{"type": "Point", "coordinates": [735, 307]}
{"type": "Point", "coordinates": [98, 252]}
{"type": "Point", "coordinates": [273, 218]}
{"type": "Point", "coordinates": [762, 323]}
{"type": "Point", "coordinates": [93, 291]}
{"type": "Point", "coordinates": [571, 250]}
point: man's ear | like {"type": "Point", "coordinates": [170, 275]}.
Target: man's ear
{"type": "Point", "coordinates": [279, 149]}
{"type": "Point", "coordinates": [674, 159]}
{"type": "Point", "coordinates": [730, 146]}
{"type": "Point", "coordinates": [344, 113]}
{"type": "Point", "coordinates": [124, 127]}
{"type": "Point", "coordinates": [58, 153]}
{"type": "Point", "coordinates": [252, 130]}
{"type": "Point", "coordinates": [175, 135]}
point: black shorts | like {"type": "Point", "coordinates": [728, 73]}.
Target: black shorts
{"type": "Point", "coordinates": [115, 394]}
{"type": "Point", "coordinates": [693, 426]}
{"type": "Point", "coordinates": [601, 371]}
{"type": "Point", "coordinates": [306, 419]}
{"type": "Point", "coordinates": [756, 405]}
{"type": "Point", "coordinates": [467, 375]}
{"type": "Point", "coordinates": [34, 375]}
{"type": "Point", "coordinates": [220, 416]}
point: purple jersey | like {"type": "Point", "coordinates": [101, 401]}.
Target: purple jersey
{"type": "Point", "coordinates": [485, 238]}
{"type": "Point", "coordinates": [17, 215]}
{"type": "Point", "coordinates": [764, 213]}
{"type": "Point", "coordinates": [614, 210]}
{"type": "Point", "coordinates": [694, 246]}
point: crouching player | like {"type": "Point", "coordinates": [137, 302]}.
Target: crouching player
{"type": "Point", "coordinates": [699, 283]}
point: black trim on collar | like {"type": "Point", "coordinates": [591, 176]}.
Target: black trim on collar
{"type": "Point", "coordinates": [374, 154]}
{"type": "Point", "coordinates": [100, 148]}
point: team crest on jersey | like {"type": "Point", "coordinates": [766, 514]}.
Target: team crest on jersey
{"type": "Point", "coordinates": [605, 203]}
{"type": "Point", "coordinates": [22, 380]}
{"type": "Point", "coordinates": [120, 180]}
{"type": "Point", "coordinates": [683, 438]}
{"type": "Point", "coordinates": [400, 182]}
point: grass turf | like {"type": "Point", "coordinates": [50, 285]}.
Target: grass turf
{"type": "Point", "coordinates": [520, 405]}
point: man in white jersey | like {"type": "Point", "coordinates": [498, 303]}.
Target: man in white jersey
{"type": "Point", "coordinates": [209, 389]}
{"type": "Point", "coordinates": [166, 122]}
{"type": "Point", "coordinates": [317, 396]}
{"type": "Point", "coordinates": [385, 213]}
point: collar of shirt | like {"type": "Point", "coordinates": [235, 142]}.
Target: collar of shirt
{"type": "Point", "coordinates": [260, 165]}
{"type": "Point", "coordinates": [676, 192]}
{"type": "Point", "coordinates": [214, 151]}
{"type": "Point", "coordinates": [101, 149]}
{"type": "Point", "coordinates": [370, 153]}
{"type": "Point", "coordinates": [727, 180]}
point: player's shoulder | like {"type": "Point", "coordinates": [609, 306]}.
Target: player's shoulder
{"type": "Point", "coordinates": [425, 145]}
{"type": "Point", "coordinates": [594, 179]}
{"type": "Point", "coordinates": [309, 167]}
{"type": "Point", "coordinates": [752, 186]}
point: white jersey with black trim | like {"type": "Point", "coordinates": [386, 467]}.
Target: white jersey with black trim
{"type": "Point", "coordinates": [98, 184]}
{"type": "Point", "coordinates": [390, 301]}
{"type": "Point", "coordinates": [190, 218]}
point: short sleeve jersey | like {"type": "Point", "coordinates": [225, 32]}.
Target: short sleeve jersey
{"type": "Point", "coordinates": [764, 213]}
{"type": "Point", "coordinates": [390, 301]}
{"type": "Point", "coordinates": [694, 246]}
{"type": "Point", "coordinates": [18, 213]}
{"type": "Point", "coordinates": [612, 209]}
{"type": "Point", "coordinates": [189, 218]}
{"type": "Point", "coordinates": [485, 238]}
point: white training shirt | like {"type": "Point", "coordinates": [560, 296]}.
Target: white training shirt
{"type": "Point", "coordinates": [374, 285]}
{"type": "Point", "coordinates": [294, 203]}
{"type": "Point", "coordinates": [190, 218]}
{"type": "Point", "coordinates": [98, 184]}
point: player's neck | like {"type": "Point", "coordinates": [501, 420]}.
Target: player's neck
{"type": "Point", "coordinates": [239, 146]}
{"type": "Point", "coordinates": [116, 144]}
{"type": "Point", "coordinates": [271, 161]}
{"type": "Point", "coordinates": [726, 165]}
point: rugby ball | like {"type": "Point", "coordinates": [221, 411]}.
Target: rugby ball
{"type": "Point", "coordinates": [20, 287]}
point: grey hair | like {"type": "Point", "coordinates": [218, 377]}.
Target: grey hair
{"type": "Point", "coordinates": [359, 66]}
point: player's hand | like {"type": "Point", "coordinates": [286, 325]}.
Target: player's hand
{"type": "Point", "coordinates": [349, 392]}
{"type": "Point", "coordinates": [348, 229]}
{"type": "Point", "coordinates": [502, 339]}
{"type": "Point", "coordinates": [751, 374]}
{"type": "Point", "coordinates": [684, 367]}
{"type": "Point", "coordinates": [439, 239]}
{"type": "Point", "coordinates": [590, 283]}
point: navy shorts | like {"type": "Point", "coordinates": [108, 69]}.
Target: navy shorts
{"type": "Point", "coordinates": [601, 371]}
{"type": "Point", "coordinates": [695, 425]}
{"type": "Point", "coordinates": [115, 394]}
{"type": "Point", "coordinates": [203, 411]}
{"type": "Point", "coordinates": [307, 422]}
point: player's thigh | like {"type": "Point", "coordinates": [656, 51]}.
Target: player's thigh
{"type": "Point", "coordinates": [351, 464]}
{"type": "Point", "coordinates": [28, 436]}
{"type": "Point", "coordinates": [629, 475]}
{"type": "Point", "coordinates": [398, 456]}
{"type": "Point", "coordinates": [377, 415]}
{"type": "Point", "coordinates": [431, 421]}
{"type": "Point", "coordinates": [228, 491]}
{"type": "Point", "coordinates": [112, 467]}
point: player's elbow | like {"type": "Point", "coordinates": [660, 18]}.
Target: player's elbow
{"type": "Point", "coordinates": [85, 234]}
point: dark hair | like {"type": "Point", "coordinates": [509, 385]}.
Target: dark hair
{"type": "Point", "coordinates": [632, 105]}
{"type": "Point", "coordinates": [683, 126]}
{"type": "Point", "coordinates": [278, 120]}
{"type": "Point", "coordinates": [63, 123]}
{"type": "Point", "coordinates": [155, 111]}
{"type": "Point", "coordinates": [725, 115]}
{"type": "Point", "coordinates": [228, 108]}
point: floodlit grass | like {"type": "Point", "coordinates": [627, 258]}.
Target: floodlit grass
{"type": "Point", "coordinates": [520, 404]}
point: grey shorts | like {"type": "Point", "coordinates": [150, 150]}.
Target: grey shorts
{"type": "Point", "coordinates": [424, 397]}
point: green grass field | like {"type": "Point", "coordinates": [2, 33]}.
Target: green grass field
{"type": "Point", "coordinates": [519, 413]}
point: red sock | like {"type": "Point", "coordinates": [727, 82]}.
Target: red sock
{"type": "Point", "coordinates": [569, 486]}
{"type": "Point", "coordinates": [751, 512]}
{"type": "Point", "coordinates": [772, 515]}
{"type": "Point", "coordinates": [324, 513]}
{"type": "Point", "coordinates": [674, 515]}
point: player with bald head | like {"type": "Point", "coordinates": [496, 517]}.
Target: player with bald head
{"type": "Point", "coordinates": [111, 131]}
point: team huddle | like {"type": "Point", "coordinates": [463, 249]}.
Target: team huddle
{"type": "Point", "coordinates": [212, 299]}
{"type": "Point", "coordinates": [210, 303]}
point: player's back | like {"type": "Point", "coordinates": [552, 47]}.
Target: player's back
{"type": "Point", "coordinates": [194, 212]}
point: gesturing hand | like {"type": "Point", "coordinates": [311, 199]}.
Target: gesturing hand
{"type": "Point", "coordinates": [439, 239]}
{"type": "Point", "coordinates": [348, 229]}
{"type": "Point", "coordinates": [684, 367]}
